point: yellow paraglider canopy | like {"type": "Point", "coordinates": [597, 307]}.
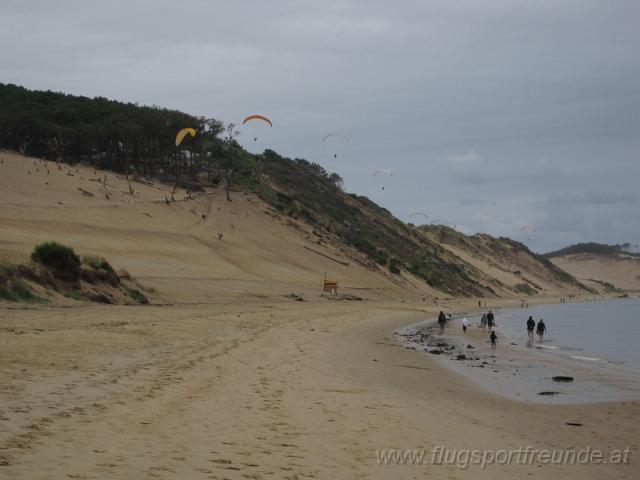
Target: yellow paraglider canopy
{"type": "Point", "coordinates": [183, 133]}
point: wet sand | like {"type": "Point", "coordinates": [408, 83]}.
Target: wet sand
{"type": "Point", "coordinates": [516, 369]}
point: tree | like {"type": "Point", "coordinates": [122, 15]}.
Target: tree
{"type": "Point", "coordinates": [23, 145]}
{"type": "Point", "coordinates": [336, 180]}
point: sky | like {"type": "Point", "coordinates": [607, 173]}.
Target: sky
{"type": "Point", "coordinates": [490, 114]}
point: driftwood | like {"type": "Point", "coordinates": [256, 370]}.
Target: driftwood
{"type": "Point", "coordinates": [346, 264]}
{"type": "Point", "coordinates": [84, 192]}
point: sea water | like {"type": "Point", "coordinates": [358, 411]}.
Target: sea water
{"type": "Point", "coordinates": [596, 343]}
{"type": "Point", "coordinates": [603, 331]}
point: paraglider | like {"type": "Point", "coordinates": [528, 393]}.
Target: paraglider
{"type": "Point", "coordinates": [183, 133]}
{"type": "Point", "coordinates": [443, 221]}
{"type": "Point", "coordinates": [337, 136]}
{"type": "Point", "coordinates": [257, 117]}
{"type": "Point", "coordinates": [382, 171]}
{"type": "Point", "coordinates": [418, 214]}
{"type": "Point", "coordinates": [528, 228]}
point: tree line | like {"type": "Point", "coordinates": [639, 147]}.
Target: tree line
{"type": "Point", "coordinates": [121, 137]}
{"type": "Point", "coordinates": [597, 248]}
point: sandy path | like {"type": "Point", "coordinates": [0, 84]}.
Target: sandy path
{"type": "Point", "coordinates": [284, 390]}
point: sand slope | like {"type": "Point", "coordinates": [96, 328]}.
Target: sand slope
{"type": "Point", "coordinates": [504, 265]}
{"type": "Point", "coordinates": [173, 248]}
{"type": "Point", "coordinates": [622, 271]}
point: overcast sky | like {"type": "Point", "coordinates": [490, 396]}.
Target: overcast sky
{"type": "Point", "coordinates": [491, 114]}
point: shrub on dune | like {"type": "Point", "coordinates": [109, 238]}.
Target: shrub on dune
{"type": "Point", "coordinates": [61, 260]}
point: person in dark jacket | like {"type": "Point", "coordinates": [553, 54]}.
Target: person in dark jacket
{"type": "Point", "coordinates": [541, 329]}
{"type": "Point", "coordinates": [442, 319]}
{"type": "Point", "coordinates": [494, 339]}
{"type": "Point", "coordinates": [490, 320]}
{"type": "Point", "coordinates": [531, 326]}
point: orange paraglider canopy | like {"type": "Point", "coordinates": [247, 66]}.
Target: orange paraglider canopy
{"type": "Point", "coordinates": [257, 117]}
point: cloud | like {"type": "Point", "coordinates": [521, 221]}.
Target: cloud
{"type": "Point", "coordinates": [519, 109]}
{"type": "Point", "coordinates": [464, 159]}
{"type": "Point", "coordinates": [610, 198]}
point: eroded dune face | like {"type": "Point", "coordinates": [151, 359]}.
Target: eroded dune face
{"type": "Point", "coordinates": [195, 248]}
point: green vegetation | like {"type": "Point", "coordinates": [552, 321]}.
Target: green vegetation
{"type": "Point", "coordinates": [305, 190]}
{"type": "Point", "coordinates": [59, 259]}
{"type": "Point", "coordinates": [99, 271]}
{"type": "Point", "coordinates": [57, 268]}
{"type": "Point", "coordinates": [74, 295]}
{"type": "Point", "coordinates": [594, 248]}
{"type": "Point", "coordinates": [138, 140]}
{"type": "Point", "coordinates": [137, 296]}
{"type": "Point", "coordinates": [394, 266]}
{"type": "Point", "coordinates": [111, 135]}
{"type": "Point", "coordinates": [97, 263]}
{"type": "Point", "coordinates": [608, 286]}
{"type": "Point", "coordinates": [525, 288]}
{"type": "Point", "coordinates": [16, 290]}
{"type": "Point", "coordinates": [13, 287]}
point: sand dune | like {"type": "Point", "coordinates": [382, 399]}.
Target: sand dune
{"type": "Point", "coordinates": [225, 376]}
{"type": "Point", "coordinates": [622, 271]}
{"type": "Point", "coordinates": [173, 248]}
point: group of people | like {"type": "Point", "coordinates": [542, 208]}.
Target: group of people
{"type": "Point", "coordinates": [488, 321]}
{"type": "Point", "coordinates": [540, 328]}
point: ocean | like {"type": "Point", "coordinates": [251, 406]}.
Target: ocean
{"type": "Point", "coordinates": [603, 331]}
{"type": "Point", "coordinates": [596, 343]}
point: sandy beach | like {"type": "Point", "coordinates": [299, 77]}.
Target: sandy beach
{"type": "Point", "coordinates": [226, 374]}
{"type": "Point", "coordinates": [267, 390]}
{"type": "Point", "coordinates": [228, 229]}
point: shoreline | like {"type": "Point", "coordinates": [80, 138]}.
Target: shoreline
{"type": "Point", "coordinates": [512, 371]}
{"type": "Point", "coordinates": [266, 390]}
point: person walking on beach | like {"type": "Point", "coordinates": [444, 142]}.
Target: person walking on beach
{"type": "Point", "coordinates": [490, 322]}
{"type": "Point", "coordinates": [465, 325]}
{"type": "Point", "coordinates": [541, 329]}
{"type": "Point", "coordinates": [483, 322]}
{"type": "Point", "coordinates": [493, 338]}
{"type": "Point", "coordinates": [442, 319]}
{"type": "Point", "coordinates": [531, 325]}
